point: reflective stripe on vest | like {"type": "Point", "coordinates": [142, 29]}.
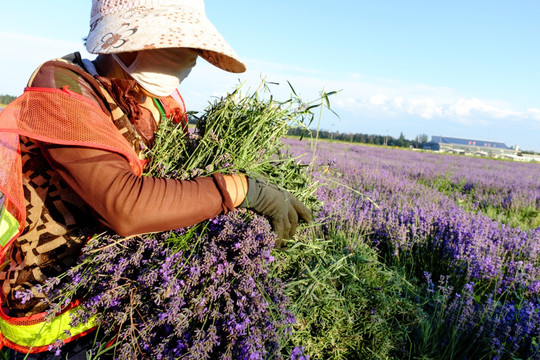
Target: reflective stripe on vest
{"type": "Point", "coordinates": [9, 226]}
{"type": "Point", "coordinates": [37, 336]}
{"type": "Point", "coordinates": [33, 334]}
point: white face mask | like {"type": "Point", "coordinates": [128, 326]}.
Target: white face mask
{"type": "Point", "coordinates": [160, 71]}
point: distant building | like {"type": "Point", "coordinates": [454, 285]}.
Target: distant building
{"type": "Point", "coordinates": [471, 147]}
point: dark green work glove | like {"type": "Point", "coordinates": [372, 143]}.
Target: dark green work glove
{"type": "Point", "coordinates": [282, 209]}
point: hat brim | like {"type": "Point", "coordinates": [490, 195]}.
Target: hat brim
{"type": "Point", "coordinates": [165, 27]}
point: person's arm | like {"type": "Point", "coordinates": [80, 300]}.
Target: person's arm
{"type": "Point", "coordinates": [237, 187]}
{"type": "Point", "coordinates": [131, 205]}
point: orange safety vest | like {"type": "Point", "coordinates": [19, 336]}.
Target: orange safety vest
{"type": "Point", "coordinates": [72, 120]}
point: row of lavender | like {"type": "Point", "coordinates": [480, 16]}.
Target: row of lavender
{"type": "Point", "coordinates": [505, 184]}
{"type": "Point", "coordinates": [503, 190]}
{"type": "Point", "coordinates": [488, 273]}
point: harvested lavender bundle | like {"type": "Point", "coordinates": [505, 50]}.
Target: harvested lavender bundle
{"type": "Point", "coordinates": [205, 291]}
{"type": "Point", "coordinates": [239, 133]}
{"type": "Point", "coordinates": [196, 293]}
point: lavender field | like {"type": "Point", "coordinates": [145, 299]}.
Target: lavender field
{"type": "Point", "coordinates": [418, 256]}
{"type": "Point", "coordinates": [411, 255]}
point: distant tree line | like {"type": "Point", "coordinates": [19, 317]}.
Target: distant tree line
{"type": "Point", "coordinates": [6, 99]}
{"type": "Point", "coordinates": [387, 140]}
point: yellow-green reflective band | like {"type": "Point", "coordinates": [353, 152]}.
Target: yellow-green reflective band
{"type": "Point", "coordinates": [45, 333]}
{"type": "Point", "coordinates": [9, 226]}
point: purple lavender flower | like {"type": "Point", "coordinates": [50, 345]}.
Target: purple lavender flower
{"type": "Point", "coordinates": [298, 354]}
{"type": "Point", "coordinates": [191, 293]}
{"type": "Point", "coordinates": [24, 295]}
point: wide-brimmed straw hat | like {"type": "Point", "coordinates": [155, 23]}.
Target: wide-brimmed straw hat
{"type": "Point", "coordinates": [132, 25]}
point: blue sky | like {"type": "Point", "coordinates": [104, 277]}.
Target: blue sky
{"type": "Point", "coordinates": [452, 68]}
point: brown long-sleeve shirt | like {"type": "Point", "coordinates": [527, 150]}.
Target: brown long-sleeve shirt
{"type": "Point", "coordinates": [129, 204]}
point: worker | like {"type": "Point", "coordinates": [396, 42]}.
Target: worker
{"type": "Point", "coordinates": [72, 149]}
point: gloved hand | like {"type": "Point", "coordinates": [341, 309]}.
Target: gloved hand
{"type": "Point", "coordinates": [282, 209]}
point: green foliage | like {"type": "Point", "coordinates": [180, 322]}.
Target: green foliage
{"type": "Point", "coordinates": [6, 99]}
{"type": "Point", "coordinates": [348, 305]}
{"type": "Point", "coordinates": [526, 218]}
{"type": "Point", "coordinates": [4, 354]}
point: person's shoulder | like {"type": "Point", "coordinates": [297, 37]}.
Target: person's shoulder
{"type": "Point", "coordinates": [67, 71]}
{"type": "Point", "coordinates": [56, 74]}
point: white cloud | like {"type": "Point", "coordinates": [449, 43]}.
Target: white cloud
{"type": "Point", "coordinates": [533, 114]}
{"type": "Point", "coordinates": [382, 98]}
{"type": "Point", "coordinates": [378, 99]}
{"type": "Point", "coordinates": [423, 107]}
{"type": "Point", "coordinates": [476, 107]}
